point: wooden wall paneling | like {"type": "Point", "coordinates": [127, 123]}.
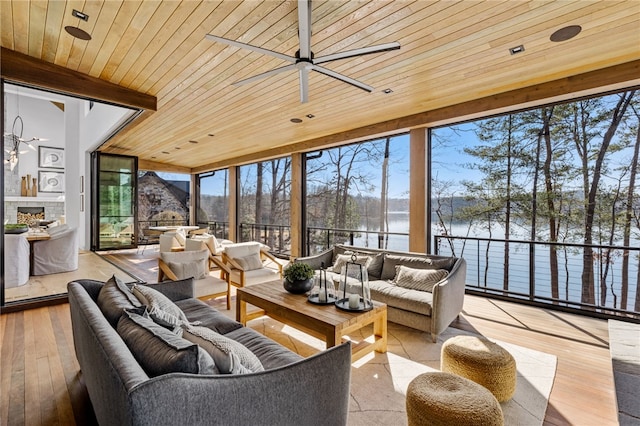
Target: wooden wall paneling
{"type": "Point", "coordinates": [102, 23]}
{"type": "Point", "coordinates": [20, 13]}
{"type": "Point", "coordinates": [418, 215]}
{"type": "Point", "coordinates": [37, 18]}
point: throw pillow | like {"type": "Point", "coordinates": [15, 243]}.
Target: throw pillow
{"type": "Point", "coordinates": [392, 260]}
{"type": "Point", "coordinates": [159, 351]}
{"type": "Point", "coordinates": [418, 279]}
{"type": "Point", "coordinates": [250, 262]}
{"type": "Point", "coordinates": [113, 298]}
{"type": "Point", "coordinates": [196, 269]}
{"type": "Point", "coordinates": [342, 259]}
{"type": "Point", "coordinates": [181, 236]}
{"type": "Point", "coordinates": [210, 241]}
{"type": "Point", "coordinates": [229, 356]}
{"type": "Point", "coordinates": [160, 307]}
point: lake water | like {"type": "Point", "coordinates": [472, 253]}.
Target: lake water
{"type": "Point", "coordinates": [489, 273]}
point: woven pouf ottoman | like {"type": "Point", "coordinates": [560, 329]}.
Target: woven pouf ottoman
{"type": "Point", "coordinates": [482, 361]}
{"type": "Point", "coordinates": [447, 399]}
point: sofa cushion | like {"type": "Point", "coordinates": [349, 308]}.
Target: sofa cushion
{"type": "Point", "coordinates": [271, 354]}
{"type": "Point", "coordinates": [195, 268]}
{"type": "Point", "coordinates": [392, 260]}
{"type": "Point", "coordinates": [249, 262]}
{"type": "Point", "coordinates": [402, 298]}
{"type": "Point", "coordinates": [230, 357]}
{"type": "Point", "coordinates": [158, 350]}
{"type": "Point", "coordinates": [161, 309]}
{"type": "Point", "coordinates": [199, 312]}
{"type": "Point", "coordinates": [418, 279]}
{"type": "Point", "coordinates": [113, 298]}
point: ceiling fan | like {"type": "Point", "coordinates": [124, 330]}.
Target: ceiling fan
{"type": "Point", "coordinates": [304, 60]}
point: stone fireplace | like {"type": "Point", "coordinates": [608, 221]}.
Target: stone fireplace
{"type": "Point", "coordinates": [44, 208]}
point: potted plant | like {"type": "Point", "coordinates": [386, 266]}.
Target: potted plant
{"type": "Point", "coordinates": [298, 278]}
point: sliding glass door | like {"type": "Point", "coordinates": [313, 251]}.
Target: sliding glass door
{"type": "Point", "coordinates": [114, 210]}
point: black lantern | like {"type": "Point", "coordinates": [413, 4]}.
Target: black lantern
{"type": "Point", "coordinates": [354, 287]}
{"type": "Point", "coordinates": [324, 291]}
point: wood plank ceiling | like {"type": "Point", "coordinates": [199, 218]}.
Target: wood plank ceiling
{"type": "Point", "coordinates": [452, 52]}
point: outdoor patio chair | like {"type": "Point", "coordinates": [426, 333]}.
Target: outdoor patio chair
{"type": "Point", "coordinates": [197, 264]}
{"type": "Point", "coordinates": [250, 263]}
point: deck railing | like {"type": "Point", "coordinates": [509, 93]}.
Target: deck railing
{"type": "Point", "coordinates": [526, 274]}
{"type": "Point", "coordinates": [319, 239]}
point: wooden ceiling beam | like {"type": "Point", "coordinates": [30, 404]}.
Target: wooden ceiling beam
{"type": "Point", "coordinates": [25, 69]}
{"type": "Point", "coordinates": [612, 78]}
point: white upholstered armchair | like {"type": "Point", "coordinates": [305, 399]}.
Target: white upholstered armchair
{"type": "Point", "coordinates": [57, 254]}
{"type": "Point", "coordinates": [249, 263]}
{"type": "Point", "coordinates": [197, 264]}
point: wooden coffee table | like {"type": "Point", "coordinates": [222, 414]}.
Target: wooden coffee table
{"type": "Point", "coordinates": [323, 321]}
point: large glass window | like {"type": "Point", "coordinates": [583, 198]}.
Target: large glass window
{"type": "Point", "coordinates": [115, 186]}
{"type": "Point", "coordinates": [213, 205]}
{"type": "Point", "coordinates": [544, 204]}
{"type": "Point", "coordinates": [264, 205]}
{"type": "Point", "coordinates": [359, 194]}
{"type": "Point", "coordinates": [163, 199]}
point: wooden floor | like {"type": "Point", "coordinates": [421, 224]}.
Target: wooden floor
{"type": "Point", "coordinates": [41, 384]}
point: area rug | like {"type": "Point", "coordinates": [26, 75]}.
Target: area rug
{"type": "Point", "coordinates": [379, 381]}
{"type": "Point", "coordinates": [624, 345]}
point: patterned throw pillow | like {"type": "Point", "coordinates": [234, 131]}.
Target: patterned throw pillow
{"type": "Point", "coordinates": [115, 296]}
{"type": "Point", "coordinates": [229, 356]}
{"type": "Point", "coordinates": [158, 350]}
{"type": "Point", "coordinates": [418, 279]}
{"type": "Point", "coordinates": [161, 308]}
{"type": "Point", "coordinates": [249, 263]}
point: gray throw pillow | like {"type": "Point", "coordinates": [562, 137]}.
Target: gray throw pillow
{"type": "Point", "coordinates": [195, 268]}
{"type": "Point", "coordinates": [159, 351]}
{"type": "Point", "coordinates": [229, 356]}
{"type": "Point", "coordinates": [392, 260]}
{"type": "Point", "coordinates": [161, 308]}
{"type": "Point", "coordinates": [113, 298]}
{"type": "Point", "coordinates": [418, 279]}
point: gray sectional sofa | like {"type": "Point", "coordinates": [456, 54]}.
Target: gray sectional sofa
{"type": "Point", "coordinates": [431, 311]}
{"type": "Point", "coordinates": [290, 391]}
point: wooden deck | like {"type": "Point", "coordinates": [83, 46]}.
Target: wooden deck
{"type": "Point", "coordinates": [41, 384]}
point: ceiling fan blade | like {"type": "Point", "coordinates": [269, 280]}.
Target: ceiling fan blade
{"type": "Point", "coordinates": [264, 75]}
{"type": "Point", "coordinates": [358, 52]}
{"type": "Point", "coordinates": [344, 78]}
{"type": "Point", "coordinates": [304, 85]}
{"type": "Point", "coordinates": [250, 47]}
{"type": "Point", "coordinates": [304, 27]}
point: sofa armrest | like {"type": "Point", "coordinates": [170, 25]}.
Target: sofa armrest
{"type": "Point", "coordinates": [317, 260]}
{"type": "Point", "coordinates": [312, 391]}
{"type": "Point", "coordinates": [448, 298]}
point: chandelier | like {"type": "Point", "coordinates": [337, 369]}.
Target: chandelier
{"type": "Point", "coordinates": [15, 139]}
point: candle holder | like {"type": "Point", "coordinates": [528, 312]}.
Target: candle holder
{"type": "Point", "coordinates": [324, 291]}
{"type": "Point", "coordinates": [354, 287]}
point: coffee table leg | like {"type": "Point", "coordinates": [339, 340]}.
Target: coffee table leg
{"type": "Point", "coordinates": [241, 309]}
{"type": "Point", "coordinates": [380, 332]}
{"type": "Point", "coordinates": [332, 339]}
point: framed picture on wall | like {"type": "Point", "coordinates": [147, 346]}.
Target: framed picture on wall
{"type": "Point", "coordinates": [50, 181]}
{"type": "Point", "coordinates": [50, 157]}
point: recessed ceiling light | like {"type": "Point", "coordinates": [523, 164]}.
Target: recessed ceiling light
{"type": "Point", "coordinates": [517, 49]}
{"type": "Point", "coordinates": [165, 152]}
{"type": "Point", "coordinates": [80, 15]}
{"type": "Point", "coordinates": [566, 33]}
{"type": "Point", "coordinates": [211, 134]}
{"type": "Point", "coordinates": [153, 157]}
{"type": "Point", "coordinates": [387, 91]}
{"type": "Point", "coordinates": [192, 141]}
{"type": "Point", "coordinates": [177, 147]}
{"type": "Point", "coordinates": [310, 115]}
{"type": "Point", "coordinates": [296, 120]}
{"type": "Point", "coordinates": [76, 31]}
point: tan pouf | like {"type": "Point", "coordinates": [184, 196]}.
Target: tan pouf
{"type": "Point", "coordinates": [482, 361]}
{"type": "Point", "coordinates": [447, 399]}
